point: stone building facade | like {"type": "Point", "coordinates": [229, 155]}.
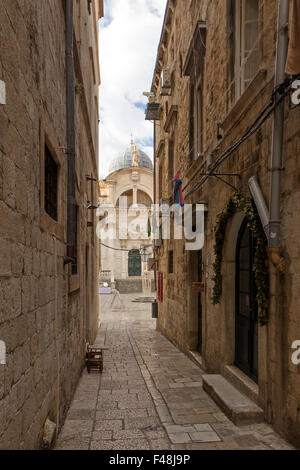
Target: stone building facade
{"type": "Point", "coordinates": [214, 75]}
{"type": "Point", "coordinates": [130, 175]}
{"type": "Point", "coordinates": [48, 302]}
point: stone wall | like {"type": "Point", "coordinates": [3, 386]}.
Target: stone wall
{"type": "Point", "coordinates": [278, 387]}
{"type": "Point", "coordinates": [46, 314]}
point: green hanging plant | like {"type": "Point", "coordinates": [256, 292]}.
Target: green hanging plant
{"type": "Point", "coordinates": [260, 267]}
{"type": "Point", "coordinates": [78, 88]}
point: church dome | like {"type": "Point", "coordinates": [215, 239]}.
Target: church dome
{"type": "Point", "coordinates": [125, 159]}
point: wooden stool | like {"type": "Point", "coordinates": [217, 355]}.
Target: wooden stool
{"type": "Point", "coordinates": [94, 358]}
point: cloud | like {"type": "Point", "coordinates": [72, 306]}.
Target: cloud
{"type": "Point", "coordinates": [129, 36]}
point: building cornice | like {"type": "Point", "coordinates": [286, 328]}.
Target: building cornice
{"type": "Point", "coordinates": [163, 43]}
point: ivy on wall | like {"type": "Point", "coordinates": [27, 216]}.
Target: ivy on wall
{"type": "Point", "coordinates": [260, 266]}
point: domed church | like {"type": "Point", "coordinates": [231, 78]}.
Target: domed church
{"type": "Point", "coordinates": [130, 175]}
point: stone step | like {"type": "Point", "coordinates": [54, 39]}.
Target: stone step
{"type": "Point", "coordinates": [236, 406]}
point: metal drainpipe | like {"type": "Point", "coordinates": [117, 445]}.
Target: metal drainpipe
{"type": "Point", "coordinates": [154, 199]}
{"type": "Point", "coordinates": [70, 115]}
{"type": "Point", "coordinates": [278, 128]}
{"type": "Point", "coordinates": [56, 327]}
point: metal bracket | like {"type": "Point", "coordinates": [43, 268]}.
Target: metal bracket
{"type": "Point", "coordinates": [90, 178]}
{"type": "Point", "coordinates": [220, 175]}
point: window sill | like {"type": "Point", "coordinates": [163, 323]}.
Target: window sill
{"type": "Point", "coordinates": [74, 283]}
{"type": "Point", "coordinates": [245, 100]}
{"type": "Point", "coordinates": [51, 226]}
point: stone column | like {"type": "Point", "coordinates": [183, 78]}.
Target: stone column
{"type": "Point", "coordinates": [124, 262]}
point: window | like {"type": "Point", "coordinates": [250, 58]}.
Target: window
{"type": "Point", "coordinates": [194, 68]}
{"type": "Point", "coordinates": [52, 170]}
{"type": "Point", "coordinates": [192, 121]}
{"type": "Point", "coordinates": [171, 163]}
{"type": "Point", "coordinates": [89, 6]}
{"type": "Point", "coordinates": [51, 185]}
{"type": "Point", "coordinates": [199, 122]}
{"type": "Point", "coordinates": [196, 121]}
{"type": "Point", "coordinates": [171, 262]}
{"type": "Point", "coordinates": [247, 44]}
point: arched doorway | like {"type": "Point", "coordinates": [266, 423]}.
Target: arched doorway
{"type": "Point", "coordinates": [134, 263]}
{"type": "Point", "coordinates": [246, 312]}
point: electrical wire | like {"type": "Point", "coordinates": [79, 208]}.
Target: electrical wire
{"type": "Point", "coordinates": [112, 248]}
{"type": "Point", "coordinates": [239, 74]}
{"type": "Point", "coordinates": [259, 121]}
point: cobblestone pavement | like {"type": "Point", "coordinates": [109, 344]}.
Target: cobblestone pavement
{"type": "Point", "coordinates": [150, 396]}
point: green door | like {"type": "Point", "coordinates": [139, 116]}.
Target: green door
{"type": "Point", "coordinates": [246, 317]}
{"type": "Point", "coordinates": [134, 263]}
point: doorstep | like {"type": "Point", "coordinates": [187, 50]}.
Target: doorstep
{"type": "Point", "coordinates": [236, 406]}
{"type": "Point", "coordinates": [242, 382]}
{"type": "Point", "coordinates": [196, 357]}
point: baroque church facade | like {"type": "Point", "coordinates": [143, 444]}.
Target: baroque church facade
{"type": "Point", "coordinates": [124, 257]}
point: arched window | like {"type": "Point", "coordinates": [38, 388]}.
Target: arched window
{"type": "Point", "coordinates": [134, 263]}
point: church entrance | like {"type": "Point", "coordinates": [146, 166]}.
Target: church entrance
{"type": "Point", "coordinates": [134, 264]}
{"type": "Point", "coordinates": [246, 315]}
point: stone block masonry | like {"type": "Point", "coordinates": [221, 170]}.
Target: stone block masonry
{"type": "Point", "coordinates": [150, 396]}
{"type": "Point", "coordinates": [46, 314]}
{"type": "Point", "coordinates": [199, 47]}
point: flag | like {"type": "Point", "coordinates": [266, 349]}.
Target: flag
{"type": "Point", "coordinates": [178, 196]}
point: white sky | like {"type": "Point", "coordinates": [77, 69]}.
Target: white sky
{"type": "Point", "coordinates": [129, 37]}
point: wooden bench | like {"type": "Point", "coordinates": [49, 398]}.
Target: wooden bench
{"type": "Point", "coordinates": [94, 358]}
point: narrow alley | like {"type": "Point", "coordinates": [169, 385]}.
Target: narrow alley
{"type": "Point", "coordinates": [150, 396]}
{"type": "Point", "coordinates": [149, 229]}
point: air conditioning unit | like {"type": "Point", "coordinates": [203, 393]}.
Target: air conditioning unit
{"type": "Point", "coordinates": [166, 82]}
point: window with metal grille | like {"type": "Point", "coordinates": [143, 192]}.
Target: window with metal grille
{"type": "Point", "coordinates": [171, 262]}
{"type": "Point", "coordinates": [51, 185]}
{"type": "Point", "coordinates": [89, 6]}
{"type": "Point", "coordinates": [75, 256]}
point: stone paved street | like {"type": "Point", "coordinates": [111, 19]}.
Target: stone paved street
{"type": "Point", "coordinates": [150, 396]}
